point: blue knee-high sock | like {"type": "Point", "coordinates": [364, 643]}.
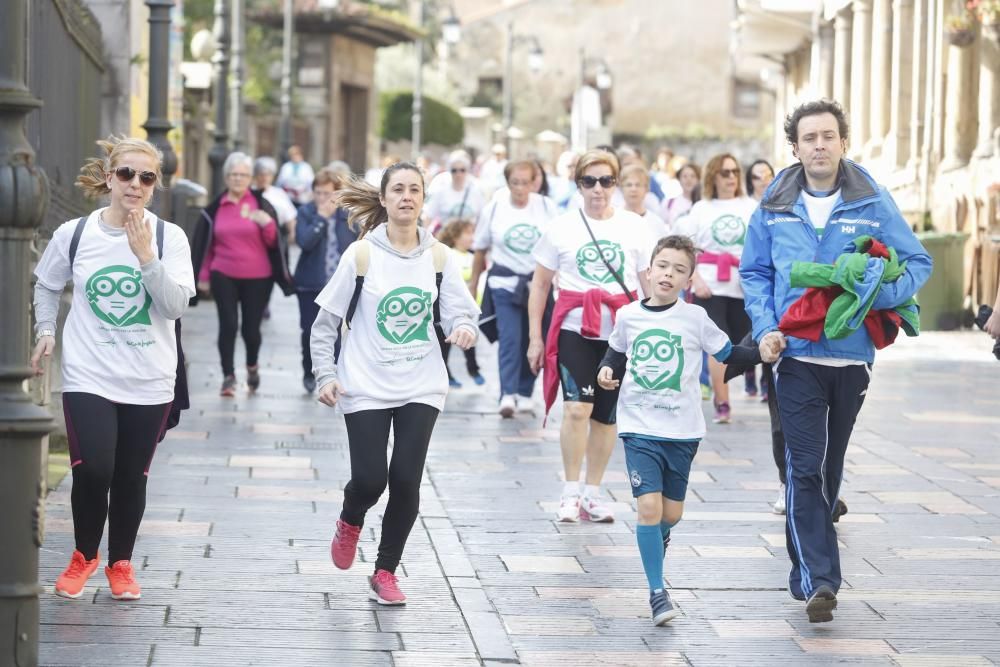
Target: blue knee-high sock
{"type": "Point", "coordinates": [651, 551]}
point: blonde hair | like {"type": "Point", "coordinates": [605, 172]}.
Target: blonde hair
{"type": "Point", "coordinates": [712, 170]}
{"type": "Point", "coordinates": [362, 199]}
{"type": "Point", "coordinates": [636, 170]}
{"type": "Point", "coordinates": [93, 178]}
{"type": "Point", "coordinates": [596, 156]}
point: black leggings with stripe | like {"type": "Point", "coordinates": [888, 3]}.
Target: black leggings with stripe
{"type": "Point", "coordinates": [111, 447]}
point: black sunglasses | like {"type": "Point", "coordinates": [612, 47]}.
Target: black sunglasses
{"type": "Point", "coordinates": [126, 174]}
{"type": "Point", "coordinates": [458, 170]}
{"type": "Point", "coordinates": [590, 181]}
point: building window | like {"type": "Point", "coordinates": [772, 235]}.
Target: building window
{"type": "Point", "coordinates": [746, 99]}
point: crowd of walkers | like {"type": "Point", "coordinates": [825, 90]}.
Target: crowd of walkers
{"type": "Point", "coordinates": [636, 293]}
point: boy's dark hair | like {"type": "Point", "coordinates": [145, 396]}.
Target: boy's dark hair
{"type": "Point", "coordinates": [676, 242]}
{"type": "Point", "coordinates": [812, 109]}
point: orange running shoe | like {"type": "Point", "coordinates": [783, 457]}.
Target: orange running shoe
{"type": "Point", "coordinates": [121, 578]}
{"type": "Point", "coordinates": [71, 582]}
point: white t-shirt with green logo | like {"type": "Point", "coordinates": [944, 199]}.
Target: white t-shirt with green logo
{"type": "Point", "coordinates": [660, 394]}
{"type": "Point", "coordinates": [390, 356]}
{"type": "Point", "coordinates": [717, 226]}
{"type": "Point", "coordinates": [115, 343]}
{"type": "Point", "coordinates": [568, 249]}
{"type": "Point", "coordinates": [510, 234]}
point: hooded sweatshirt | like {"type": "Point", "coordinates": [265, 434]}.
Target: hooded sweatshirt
{"type": "Point", "coordinates": [390, 356]}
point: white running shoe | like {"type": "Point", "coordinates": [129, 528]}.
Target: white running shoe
{"type": "Point", "coordinates": [593, 508]}
{"type": "Point", "coordinates": [779, 503]}
{"type": "Point", "coordinates": [569, 509]}
{"type": "Point", "coordinates": [507, 406]}
{"type": "Point", "coordinates": [525, 404]}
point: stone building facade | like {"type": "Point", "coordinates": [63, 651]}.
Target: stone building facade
{"type": "Point", "coordinates": [923, 100]}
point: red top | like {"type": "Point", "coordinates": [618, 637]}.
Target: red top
{"type": "Point", "coordinates": [723, 261]}
{"type": "Point", "coordinates": [239, 245]}
{"type": "Point", "coordinates": [591, 302]}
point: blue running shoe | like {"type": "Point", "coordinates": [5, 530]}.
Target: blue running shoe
{"type": "Point", "coordinates": [479, 379]}
{"type": "Point", "coordinates": [663, 610]}
{"type": "Point", "coordinates": [454, 384]}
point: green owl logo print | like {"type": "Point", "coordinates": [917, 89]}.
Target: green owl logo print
{"type": "Point", "coordinates": [403, 315]}
{"type": "Point", "coordinates": [657, 360]}
{"type": "Point", "coordinates": [521, 239]}
{"type": "Point", "coordinates": [116, 296]}
{"type": "Point", "coordinates": [729, 230]}
{"type": "Point", "coordinates": [590, 261]}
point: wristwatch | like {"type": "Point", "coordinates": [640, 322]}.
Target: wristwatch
{"type": "Point", "coordinates": [44, 332]}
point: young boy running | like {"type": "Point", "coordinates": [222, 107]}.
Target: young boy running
{"type": "Point", "coordinates": [659, 408]}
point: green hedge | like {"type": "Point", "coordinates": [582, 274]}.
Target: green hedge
{"type": "Point", "coordinates": [441, 124]}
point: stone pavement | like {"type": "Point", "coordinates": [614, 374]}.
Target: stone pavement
{"type": "Point", "coordinates": [233, 555]}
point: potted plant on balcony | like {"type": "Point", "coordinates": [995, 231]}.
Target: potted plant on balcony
{"type": "Point", "coordinates": [988, 13]}
{"type": "Point", "coordinates": [960, 29]}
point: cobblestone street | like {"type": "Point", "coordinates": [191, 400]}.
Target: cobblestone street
{"type": "Point", "coordinates": [233, 554]}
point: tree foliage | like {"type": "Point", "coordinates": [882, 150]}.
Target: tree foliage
{"type": "Point", "coordinates": [441, 124]}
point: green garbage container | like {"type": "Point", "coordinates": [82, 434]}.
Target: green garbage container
{"type": "Point", "coordinates": [942, 295]}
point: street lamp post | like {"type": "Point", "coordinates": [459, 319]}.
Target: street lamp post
{"type": "Point", "coordinates": [285, 130]}
{"type": "Point", "coordinates": [237, 120]}
{"type": "Point", "coordinates": [416, 121]}
{"type": "Point", "coordinates": [158, 125]}
{"type": "Point", "coordinates": [535, 56]}
{"type": "Point", "coordinates": [220, 63]}
{"type": "Point", "coordinates": [24, 193]}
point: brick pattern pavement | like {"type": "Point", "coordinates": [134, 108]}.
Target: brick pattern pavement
{"type": "Point", "coordinates": [233, 554]}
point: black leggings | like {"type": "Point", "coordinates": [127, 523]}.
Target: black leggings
{"type": "Point", "coordinates": [368, 439]}
{"type": "Point", "coordinates": [111, 447]}
{"type": "Point", "coordinates": [251, 295]}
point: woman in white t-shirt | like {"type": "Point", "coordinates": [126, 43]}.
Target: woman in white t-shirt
{"type": "Point", "coordinates": [718, 225]}
{"type": "Point", "coordinates": [635, 187]}
{"type": "Point", "coordinates": [459, 199]}
{"type": "Point", "coordinates": [508, 229]}
{"type": "Point", "coordinates": [132, 279]}
{"type": "Point", "coordinates": [593, 251]}
{"type": "Point", "coordinates": [390, 373]}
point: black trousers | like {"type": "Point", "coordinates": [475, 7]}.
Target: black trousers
{"type": "Point", "coordinates": [235, 297]}
{"type": "Point", "coordinates": [368, 440]}
{"type": "Point", "coordinates": [111, 448]}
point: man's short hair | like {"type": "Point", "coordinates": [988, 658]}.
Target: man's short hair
{"type": "Point", "coordinates": [812, 109]}
{"type": "Point", "coordinates": [676, 242]}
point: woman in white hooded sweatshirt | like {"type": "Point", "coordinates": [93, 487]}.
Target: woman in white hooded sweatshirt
{"type": "Point", "coordinates": [390, 287]}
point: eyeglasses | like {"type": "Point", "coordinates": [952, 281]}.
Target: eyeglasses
{"type": "Point", "coordinates": [589, 182]}
{"type": "Point", "coordinates": [458, 170]}
{"type": "Point", "coordinates": [126, 174]}
{"type": "Point", "coordinates": [238, 174]}
{"type": "Point", "coordinates": [729, 173]}
{"type": "Point", "coordinates": [516, 183]}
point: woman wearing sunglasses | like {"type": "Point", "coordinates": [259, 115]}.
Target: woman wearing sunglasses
{"type": "Point", "coordinates": [718, 226]}
{"type": "Point", "coordinates": [600, 255]}
{"type": "Point", "coordinates": [239, 256]}
{"type": "Point", "coordinates": [119, 359]}
{"type": "Point", "coordinates": [458, 197]}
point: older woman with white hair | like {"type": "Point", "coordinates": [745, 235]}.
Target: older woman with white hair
{"type": "Point", "coordinates": [459, 198]}
{"type": "Point", "coordinates": [238, 256]}
{"type": "Point", "coordinates": [264, 170]}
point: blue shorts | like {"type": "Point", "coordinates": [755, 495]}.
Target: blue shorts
{"type": "Point", "coordinates": [658, 466]}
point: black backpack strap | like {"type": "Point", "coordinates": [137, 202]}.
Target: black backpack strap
{"type": "Point", "coordinates": [75, 241]}
{"type": "Point", "coordinates": [436, 309]}
{"type": "Point", "coordinates": [160, 226]}
{"type": "Point", "coordinates": [362, 259]}
{"type": "Point", "coordinates": [359, 284]}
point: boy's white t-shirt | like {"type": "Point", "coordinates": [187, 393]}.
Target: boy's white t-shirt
{"type": "Point", "coordinates": [115, 342]}
{"type": "Point", "coordinates": [568, 249]}
{"type": "Point", "coordinates": [510, 234]}
{"type": "Point", "coordinates": [391, 356]}
{"type": "Point", "coordinates": [720, 226]}
{"type": "Point", "coordinates": [660, 394]}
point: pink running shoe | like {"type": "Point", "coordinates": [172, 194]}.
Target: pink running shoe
{"type": "Point", "coordinates": [345, 544]}
{"type": "Point", "coordinates": [385, 588]}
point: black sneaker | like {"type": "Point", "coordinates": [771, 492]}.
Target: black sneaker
{"type": "Point", "coordinates": [309, 383]}
{"type": "Point", "coordinates": [228, 386]}
{"type": "Point", "coordinates": [839, 510]}
{"type": "Point", "coordinates": [663, 610]}
{"type": "Point", "coordinates": [253, 378]}
{"type": "Point", "coordinates": [821, 604]}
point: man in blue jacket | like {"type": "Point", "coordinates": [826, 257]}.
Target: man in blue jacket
{"type": "Point", "coordinates": [811, 211]}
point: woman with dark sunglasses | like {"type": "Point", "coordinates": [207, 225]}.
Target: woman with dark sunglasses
{"type": "Point", "coordinates": [458, 198]}
{"type": "Point", "coordinates": [718, 226]}
{"type": "Point", "coordinates": [239, 255]}
{"type": "Point", "coordinates": [132, 279]}
{"type": "Point", "coordinates": [600, 254]}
